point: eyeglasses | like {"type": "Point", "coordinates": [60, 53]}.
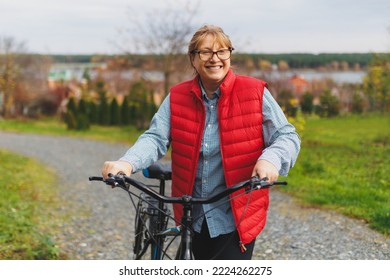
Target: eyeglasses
{"type": "Point", "coordinates": [206, 55]}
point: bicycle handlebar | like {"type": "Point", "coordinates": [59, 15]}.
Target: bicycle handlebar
{"type": "Point", "coordinates": [120, 180]}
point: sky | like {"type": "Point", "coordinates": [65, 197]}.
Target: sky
{"type": "Point", "coordinates": [261, 26]}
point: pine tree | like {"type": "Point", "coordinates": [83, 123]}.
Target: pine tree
{"type": "Point", "coordinates": [307, 103]}
{"type": "Point", "coordinates": [329, 104]}
{"type": "Point", "coordinates": [70, 115]}
{"type": "Point", "coordinates": [104, 108]}
{"type": "Point", "coordinates": [125, 111]}
{"type": "Point", "coordinates": [82, 115]}
{"type": "Point", "coordinates": [115, 112]}
{"type": "Point", "coordinates": [93, 113]}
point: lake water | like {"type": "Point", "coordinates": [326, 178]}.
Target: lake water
{"type": "Point", "coordinates": [75, 71]}
{"type": "Point", "coordinates": [354, 77]}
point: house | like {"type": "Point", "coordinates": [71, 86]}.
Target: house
{"type": "Point", "coordinates": [298, 85]}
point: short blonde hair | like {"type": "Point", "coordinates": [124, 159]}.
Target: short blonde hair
{"type": "Point", "coordinates": [219, 36]}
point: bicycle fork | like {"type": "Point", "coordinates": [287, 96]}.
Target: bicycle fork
{"type": "Point", "coordinates": [157, 252]}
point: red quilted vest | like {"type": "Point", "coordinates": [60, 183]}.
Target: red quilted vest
{"type": "Point", "coordinates": [241, 136]}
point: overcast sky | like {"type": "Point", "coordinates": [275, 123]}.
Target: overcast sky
{"type": "Point", "coordinates": [264, 26]}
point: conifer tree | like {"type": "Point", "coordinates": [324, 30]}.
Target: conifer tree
{"type": "Point", "coordinates": [104, 108]}
{"type": "Point", "coordinates": [125, 111]}
{"type": "Point", "coordinates": [115, 112]}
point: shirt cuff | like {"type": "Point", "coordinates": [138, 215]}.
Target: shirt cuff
{"type": "Point", "coordinates": [132, 162]}
{"type": "Point", "coordinates": [272, 158]}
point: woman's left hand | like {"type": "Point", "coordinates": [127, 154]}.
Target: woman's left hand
{"type": "Point", "coordinates": [263, 169]}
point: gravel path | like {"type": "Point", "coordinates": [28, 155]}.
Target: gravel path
{"type": "Point", "coordinates": [97, 221]}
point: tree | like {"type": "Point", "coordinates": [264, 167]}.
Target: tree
{"type": "Point", "coordinates": [77, 115]}
{"type": "Point", "coordinates": [307, 103]}
{"type": "Point", "coordinates": [287, 102]}
{"type": "Point", "coordinates": [104, 108]}
{"type": "Point", "coordinates": [23, 80]}
{"type": "Point", "coordinates": [329, 104]}
{"type": "Point", "coordinates": [93, 112]}
{"type": "Point", "coordinates": [83, 121]}
{"type": "Point", "coordinates": [115, 112]}
{"type": "Point", "coordinates": [9, 72]}
{"type": "Point", "coordinates": [163, 32]}
{"type": "Point", "coordinates": [377, 82]}
{"type": "Point", "coordinates": [357, 103]}
{"type": "Point", "coordinates": [142, 105]}
{"type": "Point", "coordinates": [70, 115]}
{"type": "Point", "coordinates": [265, 65]}
{"type": "Point", "coordinates": [283, 65]}
{"type": "Point", "coordinates": [125, 111]}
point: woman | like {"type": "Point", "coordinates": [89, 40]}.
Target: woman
{"type": "Point", "coordinates": [223, 128]}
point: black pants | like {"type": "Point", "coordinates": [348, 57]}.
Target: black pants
{"type": "Point", "coordinates": [223, 247]}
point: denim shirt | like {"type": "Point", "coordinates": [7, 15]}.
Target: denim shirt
{"type": "Point", "coordinates": [282, 145]}
{"type": "Point", "coordinates": [209, 178]}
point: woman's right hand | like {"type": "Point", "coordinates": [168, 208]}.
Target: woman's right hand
{"type": "Point", "coordinates": [115, 167]}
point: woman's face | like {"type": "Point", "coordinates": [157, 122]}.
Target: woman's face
{"type": "Point", "coordinates": [213, 71]}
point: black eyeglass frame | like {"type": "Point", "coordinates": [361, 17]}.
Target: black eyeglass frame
{"type": "Point", "coordinates": [230, 49]}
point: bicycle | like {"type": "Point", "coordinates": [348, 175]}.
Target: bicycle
{"type": "Point", "coordinates": [152, 213]}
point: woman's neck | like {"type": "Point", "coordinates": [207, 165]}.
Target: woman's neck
{"type": "Point", "coordinates": [210, 88]}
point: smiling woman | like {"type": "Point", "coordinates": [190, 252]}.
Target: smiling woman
{"type": "Point", "coordinates": [245, 134]}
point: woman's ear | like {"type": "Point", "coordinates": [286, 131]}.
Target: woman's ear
{"type": "Point", "coordinates": [192, 59]}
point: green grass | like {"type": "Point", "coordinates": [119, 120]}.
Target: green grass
{"type": "Point", "coordinates": [26, 194]}
{"type": "Point", "coordinates": [52, 126]}
{"type": "Point", "coordinates": [344, 165]}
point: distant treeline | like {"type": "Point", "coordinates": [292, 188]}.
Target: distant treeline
{"type": "Point", "coordinates": [294, 60]}
{"type": "Point", "coordinates": [307, 60]}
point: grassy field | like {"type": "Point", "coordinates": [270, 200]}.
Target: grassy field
{"type": "Point", "coordinates": [126, 134]}
{"type": "Point", "coordinates": [26, 192]}
{"type": "Point", "coordinates": [344, 165]}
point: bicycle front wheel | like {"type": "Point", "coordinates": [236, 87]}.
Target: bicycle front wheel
{"type": "Point", "coordinates": [148, 222]}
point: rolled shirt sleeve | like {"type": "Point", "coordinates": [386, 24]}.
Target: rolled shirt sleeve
{"type": "Point", "coordinates": [282, 143]}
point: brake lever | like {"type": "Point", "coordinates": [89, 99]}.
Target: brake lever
{"type": "Point", "coordinates": [116, 180]}
{"type": "Point", "coordinates": [111, 181]}
{"type": "Point", "coordinates": [256, 183]}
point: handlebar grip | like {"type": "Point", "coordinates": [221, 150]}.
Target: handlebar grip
{"type": "Point", "coordinates": [96, 178]}
{"type": "Point", "coordinates": [280, 183]}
